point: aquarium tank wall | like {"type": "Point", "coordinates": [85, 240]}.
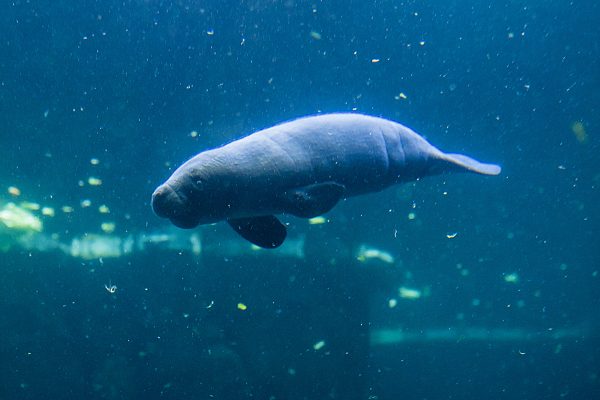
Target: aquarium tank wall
{"type": "Point", "coordinates": [453, 286]}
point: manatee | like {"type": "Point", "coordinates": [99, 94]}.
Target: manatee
{"type": "Point", "coordinates": [303, 168]}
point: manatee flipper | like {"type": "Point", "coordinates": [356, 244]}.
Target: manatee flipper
{"type": "Point", "coordinates": [313, 200]}
{"type": "Point", "coordinates": [265, 231]}
{"type": "Point", "coordinates": [460, 162]}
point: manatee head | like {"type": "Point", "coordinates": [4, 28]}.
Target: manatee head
{"type": "Point", "coordinates": [174, 204]}
{"type": "Point", "coordinates": [195, 194]}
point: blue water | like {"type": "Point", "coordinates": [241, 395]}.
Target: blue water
{"type": "Point", "coordinates": [511, 82]}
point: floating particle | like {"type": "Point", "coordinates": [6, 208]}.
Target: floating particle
{"type": "Point", "coordinates": [317, 220]}
{"type": "Point", "coordinates": [315, 35]}
{"type": "Point", "coordinates": [93, 181]}
{"type": "Point", "coordinates": [85, 203]}
{"type": "Point", "coordinates": [48, 211]}
{"type": "Point", "coordinates": [103, 209]}
{"type": "Point", "coordinates": [94, 161]}
{"type": "Point", "coordinates": [374, 60]}
{"type": "Point", "coordinates": [401, 96]}
{"type": "Point", "coordinates": [14, 191]}
{"type": "Point", "coordinates": [409, 293]}
{"type": "Point", "coordinates": [194, 134]}
{"type": "Point", "coordinates": [108, 227]}
{"type": "Point", "coordinates": [451, 235]}
{"type": "Point", "coordinates": [110, 288]}
{"type": "Point", "coordinates": [511, 278]}
{"type": "Point", "coordinates": [80, 183]}
{"type": "Point", "coordinates": [422, 43]}
{"type": "Point", "coordinates": [67, 209]}
{"type": "Point", "coordinates": [412, 216]}
{"type": "Point", "coordinates": [319, 345]}
{"type": "Point", "coordinates": [392, 303]}
{"type": "Point", "coordinates": [210, 32]}
{"type": "Point", "coordinates": [579, 131]}
{"type": "Point", "coordinates": [242, 307]}
{"type": "Point", "coordinates": [30, 206]}
{"type": "Point", "coordinates": [563, 267]}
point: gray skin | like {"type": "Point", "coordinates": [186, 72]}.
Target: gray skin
{"type": "Point", "coordinates": [303, 167]}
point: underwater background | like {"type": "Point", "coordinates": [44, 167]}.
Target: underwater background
{"type": "Point", "coordinates": [450, 287]}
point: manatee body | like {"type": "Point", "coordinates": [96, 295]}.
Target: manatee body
{"type": "Point", "coordinates": [303, 167]}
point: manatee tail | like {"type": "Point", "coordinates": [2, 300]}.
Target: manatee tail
{"type": "Point", "coordinates": [460, 162]}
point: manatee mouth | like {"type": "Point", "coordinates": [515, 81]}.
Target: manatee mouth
{"type": "Point", "coordinates": [167, 203]}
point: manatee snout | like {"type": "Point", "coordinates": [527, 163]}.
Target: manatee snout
{"type": "Point", "coordinates": [167, 203]}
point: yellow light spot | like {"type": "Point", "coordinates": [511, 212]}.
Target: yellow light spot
{"type": "Point", "coordinates": [94, 161]}
{"type": "Point", "coordinates": [319, 345]}
{"type": "Point", "coordinates": [14, 191]}
{"type": "Point", "coordinates": [422, 43]}
{"type": "Point", "coordinates": [67, 209]}
{"type": "Point", "coordinates": [30, 206]}
{"type": "Point", "coordinates": [409, 293]}
{"type": "Point", "coordinates": [412, 216]}
{"type": "Point", "coordinates": [317, 220]}
{"type": "Point", "coordinates": [579, 131]}
{"type": "Point", "coordinates": [451, 235]}
{"type": "Point", "coordinates": [19, 219]}
{"type": "Point", "coordinates": [194, 134]}
{"type": "Point", "coordinates": [242, 307]}
{"type": "Point", "coordinates": [108, 227]}
{"type": "Point", "coordinates": [103, 209]}
{"type": "Point", "coordinates": [315, 35]}
{"type": "Point", "coordinates": [48, 211]}
{"type": "Point", "coordinates": [392, 303]}
{"type": "Point", "coordinates": [93, 181]}
{"type": "Point", "coordinates": [367, 253]}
